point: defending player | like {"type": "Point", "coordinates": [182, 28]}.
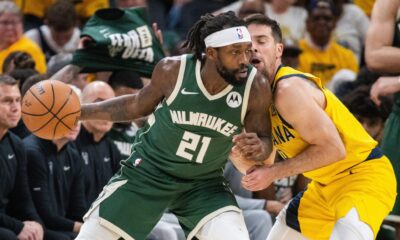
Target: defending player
{"type": "Point", "coordinates": [353, 186]}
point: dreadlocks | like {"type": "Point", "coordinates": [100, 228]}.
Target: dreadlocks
{"type": "Point", "coordinates": [207, 25]}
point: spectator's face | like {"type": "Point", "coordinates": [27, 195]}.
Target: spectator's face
{"type": "Point", "coordinates": [320, 24]}
{"type": "Point", "coordinates": [97, 93]}
{"type": "Point", "coordinates": [10, 106]}
{"type": "Point", "coordinates": [250, 7]}
{"type": "Point", "coordinates": [72, 135]}
{"type": "Point", "coordinates": [61, 37]}
{"type": "Point", "coordinates": [11, 28]}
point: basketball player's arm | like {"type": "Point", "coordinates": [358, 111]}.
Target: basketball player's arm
{"type": "Point", "coordinates": [302, 106]}
{"type": "Point", "coordinates": [67, 73]}
{"type": "Point", "coordinates": [129, 107]}
{"type": "Point", "coordinates": [380, 55]}
{"type": "Point", "coordinates": [254, 146]}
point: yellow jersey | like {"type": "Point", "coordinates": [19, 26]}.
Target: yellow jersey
{"type": "Point", "coordinates": [358, 143]}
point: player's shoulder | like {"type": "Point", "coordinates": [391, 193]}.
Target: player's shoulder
{"type": "Point", "coordinates": [169, 63]}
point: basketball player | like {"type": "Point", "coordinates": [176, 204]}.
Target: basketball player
{"type": "Point", "coordinates": [201, 104]}
{"type": "Point", "coordinates": [353, 185]}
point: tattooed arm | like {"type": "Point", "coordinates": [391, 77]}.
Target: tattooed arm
{"type": "Point", "coordinates": [141, 104]}
{"type": "Point", "coordinates": [67, 73]}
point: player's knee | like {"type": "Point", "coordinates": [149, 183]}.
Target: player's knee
{"type": "Point", "coordinates": [351, 227]}
{"type": "Point", "coordinates": [227, 225]}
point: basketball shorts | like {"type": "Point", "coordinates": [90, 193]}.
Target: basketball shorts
{"type": "Point", "coordinates": [136, 197]}
{"type": "Point", "coordinates": [370, 187]}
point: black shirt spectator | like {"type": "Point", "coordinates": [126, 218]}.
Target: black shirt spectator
{"type": "Point", "coordinates": [101, 160]}
{"type": "Point", "coordinates": [16, 203]}
{"type": "Point", "coordinates": [56, 182]}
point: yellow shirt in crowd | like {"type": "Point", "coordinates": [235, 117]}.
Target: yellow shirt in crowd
{"type": "Point", "coordinates": [38, 7]}
{"type": "Point", "coordinates": [24, 44]}
{"type": "Point", "coordinates": [325, 63]}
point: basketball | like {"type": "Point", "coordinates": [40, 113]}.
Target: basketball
{"type": "Point", "coordinates": [50, 109]}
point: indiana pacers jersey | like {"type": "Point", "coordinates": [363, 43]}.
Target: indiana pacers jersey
{"type": "Point", "coordinates": [289, 143]}
{"type": "Point", "coordinates": [363, 180]}
{"type": "Point", "coordinates": [189, 135]}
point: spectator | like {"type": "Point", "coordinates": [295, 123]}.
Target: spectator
{"type": "Point", "coordinates": [351, 27]}
{"type": "Point", "coordinates": [34, 10]}
{"type": "Point", "coordinates": [18, 216]}
{"type": "Point", "coordinates": [322, 56]}
{"type": "Point", "coordinates": [123, 134]}
{"type": "Point", "coordinates": [12, 36]}
{"type": "Point", "coordinates": [56, 181]}
{"type": "Point", "coordinates": [371, 116]}
{"type": "Point", "coordinates": [60, 33]}
{"type": "Point", "coordinates": [291, 18]}
{"type": "Point", "coordinates": [100, 156]}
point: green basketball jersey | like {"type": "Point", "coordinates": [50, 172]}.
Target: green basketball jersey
{"type": "Point", "coordinates": [122, 40]}
{"type": "Point", "coordinates": [189, 135]}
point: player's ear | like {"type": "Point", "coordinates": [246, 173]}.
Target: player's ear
{"type": "Point", "coordinates": [211, 53]}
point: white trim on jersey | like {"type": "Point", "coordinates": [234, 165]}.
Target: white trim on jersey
{"type": "Point", "coordinates": [210, 216]}
{"type": "Point", "coordinates": [179, 80]}
{"type": "Point", "coordinates": [203, 88]}
{"type": "Point", "coordinates": [245, 103]}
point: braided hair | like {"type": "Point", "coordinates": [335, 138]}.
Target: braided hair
{"type": "Point", "coordinates": [207, 25]}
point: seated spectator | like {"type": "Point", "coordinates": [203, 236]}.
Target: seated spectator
{"type": "Point", "coordinates": [12, 38]}
{"type": "Point", "coordinates": [290, 18]}
{"type": "Point", "coordinates": [291, 53]}
{"type": "Point", "coordinates": [370, 115]}
{"type": "Point", "coordinates": [34, 10]}
{"type": "Point", "coordinates": [123, 134]}
{"type": "Point", "coordinates": [100, 155]}
{"type": "Point", "coordinates": [56, 181]}
{"type": "Point", "coordinates": [18, 216]}
{"type": "Point", "coordinates": [351, 27]}
{"type": "Point", "coordinates": [60, 33]}
{"type": "Point", "coordinates": [322, 56]}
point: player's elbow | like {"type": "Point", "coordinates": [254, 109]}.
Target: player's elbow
{"type": "Point", "coordinates": [372, 61]}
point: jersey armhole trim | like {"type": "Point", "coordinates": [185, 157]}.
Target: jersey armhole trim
{"type": "Point", "coordinates": [246, 96]}
{"type": "Point", "coordinates": [179, 80]}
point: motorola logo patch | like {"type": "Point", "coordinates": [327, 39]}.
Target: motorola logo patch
{"type": "Point", "coordinates": [234, 99]}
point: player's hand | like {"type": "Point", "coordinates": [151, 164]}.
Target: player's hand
{"type": "Point", "coordinates": [384, 86]}
{"type": "Point", "coordinates": [258, 178]}
{"type": "Point", "coordinates": [249, 146]}
{"type": "Point", "coordinates": [84, 41]}
{"type": "Point", "coordinates": [158, 33]}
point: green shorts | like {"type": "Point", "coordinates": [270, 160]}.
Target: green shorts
{"type": "Point", "coordinates": [136, 197]}
{"type": "Point", "coordinates": [391, 148]}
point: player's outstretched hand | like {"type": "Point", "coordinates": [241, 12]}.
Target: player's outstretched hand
{"type": "Point", "coordinates": [258, 178]}
{"type": "Point", "coordinates": [249, 146]}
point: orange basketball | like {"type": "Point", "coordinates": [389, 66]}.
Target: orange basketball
{"type": "Point", "coordinates": [50, 109]}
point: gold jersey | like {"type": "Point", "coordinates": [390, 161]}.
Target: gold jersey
{"type": "Point", "coordinates": [358, 143]}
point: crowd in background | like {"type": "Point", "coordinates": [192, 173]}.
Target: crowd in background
{"type": "Point", "coordinates": [46, 186]}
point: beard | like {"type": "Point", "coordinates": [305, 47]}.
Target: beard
{"type": "Point", "coordinates": [230, 75]}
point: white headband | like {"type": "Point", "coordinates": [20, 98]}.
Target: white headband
{"type": "Point", "coordinates": [227, 37]}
